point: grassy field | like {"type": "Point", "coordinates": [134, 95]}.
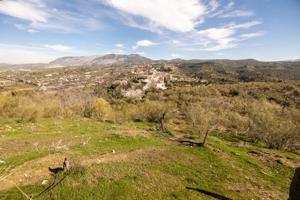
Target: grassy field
{"type": "Point", "coordinates": [133, 161]}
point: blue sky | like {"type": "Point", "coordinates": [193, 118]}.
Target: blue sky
{"type": "Point", "coordinates": [42, 30]}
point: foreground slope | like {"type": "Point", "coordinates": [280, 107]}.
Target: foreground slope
{"type": "Point", "coordinates": [133, 161]}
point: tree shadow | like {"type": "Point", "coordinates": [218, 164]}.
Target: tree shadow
{"type": "Point", "coordinates": [217, 196]}
{"type": "Point", "coordinates": [188, 142]}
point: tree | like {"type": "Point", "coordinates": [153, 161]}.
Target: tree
{"type": "Point", "coordinates": [159, 112]}
{"type": "Point", "coordinates": [201, 118]}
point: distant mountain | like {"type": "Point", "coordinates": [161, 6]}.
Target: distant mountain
{"type": "Point", "coordinates": [6, 66]}
{"type": "Point", "coordinates": [223, 70]}
{"type": "Point", "coordinates": [101, 60]}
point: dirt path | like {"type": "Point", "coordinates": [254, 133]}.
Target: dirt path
{"type": "Point", "coordinates": [36, 170]}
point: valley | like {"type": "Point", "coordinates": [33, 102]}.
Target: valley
{"type": "Point", "coordinates": [121, 121]}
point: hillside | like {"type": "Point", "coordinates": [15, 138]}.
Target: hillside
{"type": "Point", "coordinates": [241, 70]}
{"type": "Point", "coordinates": [101, 60]}
{"type": "Point", "coordinates": [132, 160]}
{"type": "Point", "coordinates": [134, 128]}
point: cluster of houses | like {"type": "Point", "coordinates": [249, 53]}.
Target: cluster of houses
{"type": "Point", "coordinates": [134, 80]}
{"type": "Point", "coordinates": [153, 76]}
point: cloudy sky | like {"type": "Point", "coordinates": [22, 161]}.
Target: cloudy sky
{"type": "Point", "coordinates": [42, 30]}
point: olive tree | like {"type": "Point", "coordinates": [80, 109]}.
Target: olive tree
{"type": "Point", "coordinates": [202, 118]}
{"type": "Point", "coordinates": [158, 112]}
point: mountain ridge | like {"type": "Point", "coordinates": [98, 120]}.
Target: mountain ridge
{"type": "Point", "coordinates": [107, 59]}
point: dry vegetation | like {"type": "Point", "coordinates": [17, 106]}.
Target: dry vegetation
{"type": "Point", "coordinates": [266, 113]}
{"type": "Point", "coordinates": [128, 146]}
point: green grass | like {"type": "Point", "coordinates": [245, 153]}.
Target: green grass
{"type": "Point", "coordinates": [23, 157]}
{"type": "Point", "coordinates": [118, 143]}
{"type": "Point", "coordinates": [163, 172]}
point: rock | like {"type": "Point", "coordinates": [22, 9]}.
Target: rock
{"type": "Point", "coordinates": [279, 161]}
{"type": "Point", "coordinates": [66, 165]}
{"type": "Point", "coordinates": [295, 186]}
{"type": "Point", "coordinates": [45, 182]}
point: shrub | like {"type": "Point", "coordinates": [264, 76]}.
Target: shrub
{"type": "Point", "coordinates": [52, 108]}
{"type": "Point", "coordinates": [24, 109]}
{"type": "Point", "coordinates": [8, 105]}
{"type": "Point", "coordinates": [27, 110]}
{"type": "Point", "coordinates": [269, 125]}
{"type": "Point", "coordinates": [101, 109]}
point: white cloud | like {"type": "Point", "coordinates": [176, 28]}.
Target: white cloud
{"type": "Point", "coordinates": [243, 25]}
{"type": "Point", "coordinates": [220, 38]}
{"type": "Point", "coordinates": [39, 15]}
{"type": "Point", "coordinates": [59, 47]}
{"type": "Point", "coordinates": [32, 31]}
{"type": "Point", "coordinates": [238, 13]}
{"type": "Point", "coordinates": [175, 42]}
{"type": "Point", "coordinates": [119, 45]}
{"type": "Point", "coordinates": [217, 33]}
{"type": "Point", "coordinates": [251, 35]}
{"type": "Point", "coordinates": [144, 43]}
{"type": "Point", "coordinates": [179, 21]}
{"type": "Point", "coordinates": [30, 10]}
{"type": "Point", "coordinates": [213, 5]}
{"type": "Point", "coordinates": [179, 15]}
{"type": "Point", "coordinates": [228, 11]}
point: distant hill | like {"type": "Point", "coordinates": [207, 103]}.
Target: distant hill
{"type": "Point", "coordinates": [220, 70]}
{"type": "Point", "coordinates": [6, 66]}
{"type": "Point", "coordinates": [101, 60]}
{"type": "Point", "coordinates": [240, 70]}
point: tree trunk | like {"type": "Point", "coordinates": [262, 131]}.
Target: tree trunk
{"type": "Point", "coordinates": [204, 140]}
{"type": "Point", "coordinates": [162, 125]}
{"type": "Point", "coordinates": [295, 186]}
{"type": "Point", "coordinates": [162, 122]}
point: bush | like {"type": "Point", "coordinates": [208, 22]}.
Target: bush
{"type": "Point", "coordinates": [8, 105]}
{"type": "Point", "coordinates": [101, 109]}
{"type": "Point", "coordinates": [52, 108]}
{"type": "Point", "coordinates": [273, 127]}
{"type": "Point", "coordinates": [23, 109]}
{"type": "Point", "coordinates": [153, 111]}
{"type": "Point", "coordinates": [27, 110]}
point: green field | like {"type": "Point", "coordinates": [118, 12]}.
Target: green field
{"type": "Point", "coordinates": [134, 161]}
